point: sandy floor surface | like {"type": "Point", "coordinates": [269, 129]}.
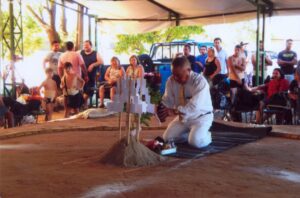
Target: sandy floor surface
{"type": "Point", "coordinates": [67, 165]}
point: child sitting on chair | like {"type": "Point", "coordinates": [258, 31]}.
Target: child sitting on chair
{"type": "Point", "coordinates": [112, 75]}
{"type": "Point", "coordinates": [50, 93]}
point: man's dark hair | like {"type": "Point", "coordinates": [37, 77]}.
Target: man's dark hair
{"type": "Point", "coordinates": [180, 62]}
{"type": "Point", "coordinates": [281, 73]}
{"type": "Point", "coordinates": [289, 40]}
{"type": "Point", "coordinates": [218, 39]}
{"type": "Point", "coordinates": [54, 42]}
{"type": "Point", "coordinates": [88, 41]}
{"type": "Point", "coordinates": [203, 46]}
{"type": "Point", "coordinates": [69, 45]}
{"type": "Point", "coordinates": [238, 46]}
{"type": "Point", "coordinates": [188, 46]}
{"type": "Point", "coordinates": [68, 65]}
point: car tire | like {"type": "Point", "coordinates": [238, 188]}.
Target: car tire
{"type": "Point", "coordinates": [147, 62]}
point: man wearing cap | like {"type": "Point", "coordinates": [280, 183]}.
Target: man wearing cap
{"type": "Point", "coordinates": [188, 97]}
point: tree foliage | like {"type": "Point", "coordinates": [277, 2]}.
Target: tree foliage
{"type": "Point", "coordinates": [136, 43]}
{"type": "Point", "coordinates": [32, 39]}
{"type": "Point", "coordinates": [49, 25]}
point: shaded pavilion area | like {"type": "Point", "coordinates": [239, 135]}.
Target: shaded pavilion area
{"type": "Point", "coordinates": [62, 159]}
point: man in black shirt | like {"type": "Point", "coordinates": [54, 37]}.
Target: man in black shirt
{"type": "Point", "coordinates": [191, 58]}
{"type": "Point", "coordinates": [92, 60]}
{"type": "Point", "coordinates": [287, 59]}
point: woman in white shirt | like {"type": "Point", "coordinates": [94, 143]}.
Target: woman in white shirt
{"type": "Point", "coordinates": [135, 69]}
{"type": "Point", "coordinates": [112, 75]}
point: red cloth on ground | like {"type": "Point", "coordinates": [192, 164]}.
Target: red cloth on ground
{"type": "Point", "coordinates": [276, 86]}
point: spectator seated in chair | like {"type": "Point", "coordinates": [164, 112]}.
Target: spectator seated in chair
{"type": "Point", "coordinates": [276, 85]}
{"type": "Point", "coordinates": [294, 94]}
{"type": "Point", "coordinates": [6, 116]}
{"type": "Point", "coordinates": [24, 105]}
{"type": "Point", "coordinates": [112, 75]}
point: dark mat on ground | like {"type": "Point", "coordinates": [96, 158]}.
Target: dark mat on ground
{"type": "Point", "coordinates": [223, 138]}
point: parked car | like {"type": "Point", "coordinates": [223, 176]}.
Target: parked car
{"type": "Point", "coordinates": [159, 60]}
{"type": "Point", "coordinates": [157, 63]}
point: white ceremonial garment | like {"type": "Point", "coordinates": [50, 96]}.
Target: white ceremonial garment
{"type": "Point", "coordinates": [198, 116]}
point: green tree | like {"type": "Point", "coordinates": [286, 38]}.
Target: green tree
{"type": "Point", "coordinates": [32, 39]}
{"type": "Point", "coordinates": [136, 43]}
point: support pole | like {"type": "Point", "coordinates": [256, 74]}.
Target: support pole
{"type": "Point", "coordinates": [257, 46]}
{"type": "Point", "coordinates": [177, 21]}
{"type": "Point", "coordinates": [12, 43]}
{"type": "Point", "coordinates": [79, 37]}
{"type": "Point", "coordinates": [96, 36]}
{"type": "Point", "coordinates": [128, 121]}
{"type": "Point", "coordinates": [1, 43]}
{"type": "Point", "coordinates": [90, 28]}
{"type": "Point", "coordinates": [263, 43]}
{"type": "Point", "coordinates": [120, 114]}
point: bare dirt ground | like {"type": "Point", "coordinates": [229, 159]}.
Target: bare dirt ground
{"type": "Point", "coordinates": [67, 165]}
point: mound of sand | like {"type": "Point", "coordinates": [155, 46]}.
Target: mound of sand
{"type": "Point", "coordinates": [133, 155]}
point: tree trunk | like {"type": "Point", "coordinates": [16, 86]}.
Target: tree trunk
{"type": "Point", "coordinates": [63, 21]}
{"type": "Point", "coordinates": [52, 35]}
{"type": "Point", "coordinates": [48, 27]}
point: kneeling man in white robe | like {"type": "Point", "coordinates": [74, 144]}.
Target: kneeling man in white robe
{"type": "Point", "coordinates": [187, 95]}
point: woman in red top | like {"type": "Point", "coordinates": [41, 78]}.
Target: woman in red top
{"type": "Point", "coordinates": [276, 85]}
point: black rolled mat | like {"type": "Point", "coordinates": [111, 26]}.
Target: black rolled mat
{"type": "Point", "coordinates": [224, 137]}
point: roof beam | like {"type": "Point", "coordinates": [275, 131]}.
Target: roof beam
{"type": "Point", "coordinates": [267, 5]}
{"type": "Point", "coordinates": [172, 12]}
{"type": "Point", "coordinates": [196, 17]}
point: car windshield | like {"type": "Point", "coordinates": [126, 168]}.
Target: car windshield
{"type": "Point", "coordinates": [166, 52]}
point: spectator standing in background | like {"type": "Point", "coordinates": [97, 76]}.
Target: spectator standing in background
{"type": "Point", "coordinates": [92, 61]}
{"type": "Point", "coordinates": [212, 67]}
{"type": "Point", "coordinates": [75, 59]}
{"type": "Point", "coordinates": [222, 56]}
{"type": "Point", "coordinates": [191, 58]}
{"type": "Point", "coordinates": [249, 68]}
{"type": "Point", "coordinates": [287, 59]}
{"type": "Point", "coordinates": [268, 62]}
{"type": "Point", "coordinates": [52, 60]}
{"type": "Point", "coordinates": [200, 60]}
{"type": "Point", "coordinates": [236, 65]}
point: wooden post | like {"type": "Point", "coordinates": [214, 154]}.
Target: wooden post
{"type": "Point", "coordinates": [138, 121]}
{"type": "Point", "coordinates": [120, 125]}
{"type": "Point", "coordinates": [120, 114]}
{"type": "Point", "coordinates": [79, 35]}
{"type": "Point", "coordinates": [128, 112]}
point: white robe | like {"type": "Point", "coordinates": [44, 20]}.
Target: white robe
{"type": "Point", "coordinates": [195, 122]}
